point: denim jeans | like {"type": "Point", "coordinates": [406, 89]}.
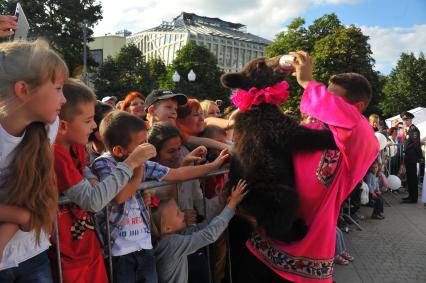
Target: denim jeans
{"type": "Point", "coordinates": [378, 204]}
{"type": "Point", "coordinates": [34, 270]}
{"type": "Point", "coordinates": [136, 267]}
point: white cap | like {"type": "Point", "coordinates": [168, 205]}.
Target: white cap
{"type": "Point", "coordinates": [106, 98]}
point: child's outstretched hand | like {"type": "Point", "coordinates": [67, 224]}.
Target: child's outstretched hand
{"type": "Point", "coordinates": [140, 155]}
{"type": "Point", "coordinates": [223, 156]}
{"type": "Point", "coordinates": [238, 194]}
{"type": "Point", "coordinates": [190, 216]}
{"type": "Point", "coordinates": [198, 155]}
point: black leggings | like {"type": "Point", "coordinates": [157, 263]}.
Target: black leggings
{"type": "Point", "coordinates": [255, 271]}
{"type": "Point", "coordinates": [246, 268]}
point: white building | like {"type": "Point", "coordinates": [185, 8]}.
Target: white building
{"type": "Point", "coordinates": [229, 42]}
{"type": "Point", "coordinates": [103, 46]}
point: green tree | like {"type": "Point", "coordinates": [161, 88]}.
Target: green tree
{"type": "Point", "coordinates": [105, 79]}
{"type": "Point", "coordinates": [343, 51]}
{"type": "Point", "coordinates": [127, 72]}
{"type": "Point", "coordinates": [203, 63]}
{"type": "Point", "coordinates": [60, 22]}
{"type": "Point", "coordinates": [335, 49]}
{"type": "Point", "coordinates": [157, 73]}
{"type": "Point", "coordinates": [405, 87]}
{"type": "Point", "coordinates": [294, 38]}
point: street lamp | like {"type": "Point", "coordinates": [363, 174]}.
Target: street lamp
{"type": "Point", "coordinates": [176, 77]}
{"type": "Point", "coordinates": [191, 76]}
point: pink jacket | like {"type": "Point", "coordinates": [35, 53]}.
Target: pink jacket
{"type": "Point", "coordinates": [323, 181]}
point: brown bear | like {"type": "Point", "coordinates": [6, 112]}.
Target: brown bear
{"type": "Point", "coordinates": [265, 139]}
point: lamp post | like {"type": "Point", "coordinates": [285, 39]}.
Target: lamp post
{"type": "Point", "coordinates": [84, 75]}
{"type": "Point", "coordinates": [176, 77]}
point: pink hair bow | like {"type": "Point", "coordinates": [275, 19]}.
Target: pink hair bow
{"type": "Point", "coordinates": [276, 94]}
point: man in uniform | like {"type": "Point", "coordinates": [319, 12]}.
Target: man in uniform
{"type": "Point", "coordinates": [412, 155]}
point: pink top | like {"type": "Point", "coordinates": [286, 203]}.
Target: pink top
{"type": "Point", "coordinates": [323, 179]}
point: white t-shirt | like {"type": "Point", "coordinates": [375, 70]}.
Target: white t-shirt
{"type": "Point", "coordinates": [23, 245]}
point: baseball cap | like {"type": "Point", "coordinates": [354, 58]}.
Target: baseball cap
{"type": "Point", "coordinates": [106, 98]}
{"type": "Point", "coordinates": [406, 115]}
{"type": "Point", "coordinates": [161, 94]}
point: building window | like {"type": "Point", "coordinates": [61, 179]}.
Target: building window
{"type": "Point", "coordinates": [171, 53]}
{"type": "Point", "coordinates": [221, 55]}
{"type": "Point", "coordinates": [163, 54]}
{"type": "Point", "coordinates": [166, 55]}
{"type": "Point", "coordinates": [247, 56]}
{"type": "Point", "coordinates": [241, 58]}
{"type": "Point", "coordinates": [228, 56]}
{"type": "Point", "coordinates": [177, 48]}
{"type": "Point", "coordinates": [214, 49]}
{"type": "Point", "coordinates": [97, 55]}
{"type": "Point", "coordinates": [234, 57]}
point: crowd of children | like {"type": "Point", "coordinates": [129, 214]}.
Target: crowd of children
{"type": "Point", "coordinates": [100, 157]}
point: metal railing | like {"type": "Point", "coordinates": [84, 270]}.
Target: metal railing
{"type": "Point", "coordinates": [144, 186]}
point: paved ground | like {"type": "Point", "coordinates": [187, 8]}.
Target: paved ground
{"type": "Point", "coordinates": [389, 250]}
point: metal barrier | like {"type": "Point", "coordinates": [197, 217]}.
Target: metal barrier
{"type": "Point", "coordinates": [143, 186]}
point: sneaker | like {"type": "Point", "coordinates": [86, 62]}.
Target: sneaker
{"type": "Point", "coordinates": [347, 256]}
{"type": "Point", "coordinates": [340, 260]}
{"type": "Point", "coordinates": [377, 216]}
{"type": "Point", "coordinates": [382, 215]}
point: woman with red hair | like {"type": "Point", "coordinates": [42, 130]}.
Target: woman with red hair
{"type": "Point", "coordinates": [134, 104]}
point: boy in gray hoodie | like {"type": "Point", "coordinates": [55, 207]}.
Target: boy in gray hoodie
{"type": "Point", "coordinates": [176, 241]}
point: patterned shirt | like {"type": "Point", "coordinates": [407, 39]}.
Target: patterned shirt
{"type": "Point", "coordinates": [130, 220]}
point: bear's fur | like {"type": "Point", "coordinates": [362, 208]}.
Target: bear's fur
{"type": "Point", "coordinates": [265, 140]}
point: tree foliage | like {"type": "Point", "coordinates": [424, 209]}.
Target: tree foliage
{"type": "Point", "coordinates": [335, 49]}
{"type": "Point", "coordinates": [59, 22]}
{"type": "Point", "coordinates": [203, 63]}
{"type": "Point", "coordinates": [128, 71]}
{"type": "Point", "coordinates": [405, 87]}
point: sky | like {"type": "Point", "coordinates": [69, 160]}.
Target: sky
{"type": "Point", "coordinates": [394, 26]}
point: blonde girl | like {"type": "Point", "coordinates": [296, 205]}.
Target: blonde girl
{"type": "Point", "coordinates": [31, 80]}
{"type": "Point", "coordinates": [210, 109]}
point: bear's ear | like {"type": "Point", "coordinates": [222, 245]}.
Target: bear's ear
{"type": "Point", "coordinates": [233, 80]}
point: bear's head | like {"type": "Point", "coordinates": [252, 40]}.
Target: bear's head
{"type": "Point", "coordinates": [259, 73]}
